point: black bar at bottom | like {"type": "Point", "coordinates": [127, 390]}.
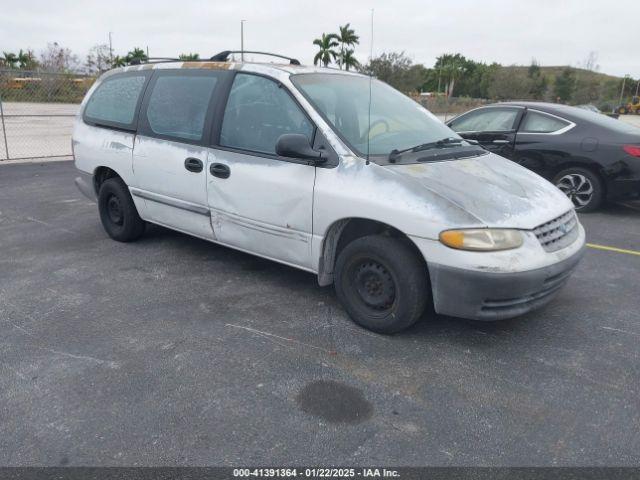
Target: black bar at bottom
{"type": "Point", "coordinates": [405, 473]}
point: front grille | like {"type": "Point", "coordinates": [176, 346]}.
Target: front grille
{"type": "Point", "coordinates": [558, 233]}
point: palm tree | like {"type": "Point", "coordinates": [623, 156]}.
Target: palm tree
{"type": "Point", "coordinates": [136, 54]}
{"type": "Point", "coordinates": [452, 67]}
{"type": "Point", "coordinates": [347, 38]}
{"type": "Point", "coordinates": [118, 61]}
{"type": "Point", "coordinates": [326, 44]}
{"type": "Point", "coordinates": [348, 60]}
{"type": "Point", "coordinates": [9, 59]}
{"type": "Point", "coordinates": [25, 59]}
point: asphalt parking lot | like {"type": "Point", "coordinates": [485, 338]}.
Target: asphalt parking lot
{"type": "Point", "coordinates": [175, 351]}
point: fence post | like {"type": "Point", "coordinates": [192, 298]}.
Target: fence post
{"type": "Point", "coordinates": [4, 131]}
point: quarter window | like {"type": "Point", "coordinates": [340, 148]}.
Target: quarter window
{"type": "Point", "coordinates": [486, 120]}
{"type": "Point", "coordinates": [257, 113]}
{"type": "Point", "coordinates": [535, 122]}
{"type": "Point", "coordinates": [115, 101]}
{"type": "Point", "coordinates": [178, 105]}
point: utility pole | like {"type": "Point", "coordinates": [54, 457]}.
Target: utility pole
{"type": "Point", "coordinates": [110, 49]}
{"type": "Point", "coordinates": [242, 40]}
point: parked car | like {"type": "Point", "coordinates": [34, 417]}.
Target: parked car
{"type": "Point", "coordinates": [590, 157]}
{"type": "Point", "coordinates": [592, 108]}
{"type": "Point", "coordinates": [330, 172]}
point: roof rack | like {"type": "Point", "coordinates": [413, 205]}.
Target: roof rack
{"type": "Point", "coordinates": [139, 61]}
{"type": "Point", "coordinates": [224, 56]}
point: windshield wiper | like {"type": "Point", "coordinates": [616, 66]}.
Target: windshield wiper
{"type": "Point", "coordinates": [442, 143]}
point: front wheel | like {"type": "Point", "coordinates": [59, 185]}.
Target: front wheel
{"type": "Point", "coordinates": [118, 213]}
{"type": "Point", "coordinates": [582, 187]}
{"type": "Point", "coordinates": [382, 283]}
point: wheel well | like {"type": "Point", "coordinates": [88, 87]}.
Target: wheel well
{"type": "Point", "coordinates": [100, 175]}
{"type": "Point", "coordinates": [345, 231]}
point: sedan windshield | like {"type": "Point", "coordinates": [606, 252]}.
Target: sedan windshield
{"type": "Point", "coordinates": [392, 123]}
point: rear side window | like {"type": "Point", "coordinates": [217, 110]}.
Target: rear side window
{"type": "Point", "coordinates": [115, 101]}
{"type": "Point", "coordinates": [535, 122]}
{"type": "Point", "coordinates": [258, 112]}
{"type": "Point", "coordinates": [178, 105]}
{"type": "Point", "coordinates": [486, 120]}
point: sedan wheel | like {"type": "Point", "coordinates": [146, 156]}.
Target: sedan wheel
{"type": "Point", "coordinates": [582, 187]}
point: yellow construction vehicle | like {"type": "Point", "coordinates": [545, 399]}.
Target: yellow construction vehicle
{"type": "Point", "coordinates": [632, 107]}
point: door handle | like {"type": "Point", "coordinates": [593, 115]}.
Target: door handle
{"type": "Point", "coordinates": [500, 142]}
{"type": "Point", "coordinates": [193, 164]}
{"type": "Point", "coordinates": [220, 170]}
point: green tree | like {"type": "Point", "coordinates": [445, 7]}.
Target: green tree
{"type": "Point", "coordinates": [565, 85]}
{"type": "Point", "coordinates": [510, 84]}
{"type": "Point", "coordinates": [189, 56]}
{"type": "Point", "coordinates": [326, 45]}
{"type": "Point", "coordinates": [136, 54]}
{"type": "Point", "coordinates": [398, 70]}
{"type": "Point", "coordinates": [473, 80]}
{"type": "Point", "coordinates": [534, 69]}
{"type": "Point", "coordinates": [119, 61]}
{"type": "Point", "coordinates": [9, 59]}
{"type": "Point", "coordinates": [347, 38]}
{"type": "Point", "coordinates": [539, 82]}
{"type": "Point", "coordinates": [451, 68]}
{"type": "Point", "coordinates": [349, 60]}
{"type": "Point", "coordinates": [27, 60]}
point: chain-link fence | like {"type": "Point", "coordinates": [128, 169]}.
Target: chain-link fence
{"type": "Point", "coordinates": [37, 110]}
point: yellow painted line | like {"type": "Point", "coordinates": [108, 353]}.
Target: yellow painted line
{"type": "Point", "coordinates": [613, 249]}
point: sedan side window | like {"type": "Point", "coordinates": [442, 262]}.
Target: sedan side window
{"type": "Point", "coordinates": [535, 122]}
{"type": "Point", "coordinates": [486, 120]}
{"type": "Point", "coordinates": [258, 112]}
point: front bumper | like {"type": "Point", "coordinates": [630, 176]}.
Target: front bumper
{"type": "Point", "coordinates": [480, 295]}
{"type": "Point", "coordinates": [84, 182]}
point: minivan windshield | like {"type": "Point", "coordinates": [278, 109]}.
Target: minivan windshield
{"type": "Point", "coordinates": [397, 122]}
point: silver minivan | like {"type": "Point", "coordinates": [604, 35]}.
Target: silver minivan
{"type": "Point", "coordinates": [331, 172]}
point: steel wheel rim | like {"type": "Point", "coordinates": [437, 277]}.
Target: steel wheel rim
{"type": "Point", "coordinates": [577, 187]}
{"type": "Point", "coordinates": [374, 285]}
{"type": "Point", "coordinates": [114, 210]}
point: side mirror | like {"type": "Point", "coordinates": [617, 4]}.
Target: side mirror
{"type": "Point", "coordinates": [296, 145]}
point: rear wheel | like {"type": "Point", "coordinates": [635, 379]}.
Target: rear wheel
{"type": "Point", "coordinates": [118, 213]}
{"type": "Point", "coordinates": [382, 283]}
{"type": "Point", "coordinates": [582, 187]}
{"type": "Point", "coordinates": [622, 110]}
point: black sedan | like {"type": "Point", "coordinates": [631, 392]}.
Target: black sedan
{"type": "Point", "coordinates": [588, 156]}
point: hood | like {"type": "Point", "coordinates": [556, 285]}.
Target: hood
{"type": "Point", "coordinates": [497, 192]}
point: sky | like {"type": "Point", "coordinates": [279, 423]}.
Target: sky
{"type": "Point", "coordinates": [554, 32]}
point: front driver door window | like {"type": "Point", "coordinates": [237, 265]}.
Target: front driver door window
{"type": "Point", "coordinates": [261, 203]}
{"type": "Point", "coordinates": [493, 128]}
{"type": "Point", "coordinates": [258, 112]}
{"type": "Point", "coordinates": [486, 120]}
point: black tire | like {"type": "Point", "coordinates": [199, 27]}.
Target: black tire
{"type": "Point", "coordinates": [118, 213]}
{"type": "Point", "coordinates": [622, 110]}
{"type": "Point", "coordinates": [382, 283]}
{"type": "Point", "coordinates": [575, 183]}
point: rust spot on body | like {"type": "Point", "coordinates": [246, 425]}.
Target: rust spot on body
{"type": "Point", "coordinates": [208, 65]}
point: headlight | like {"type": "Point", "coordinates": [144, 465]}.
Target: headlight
{"type": "Point", "coordinates": [482, 239]}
